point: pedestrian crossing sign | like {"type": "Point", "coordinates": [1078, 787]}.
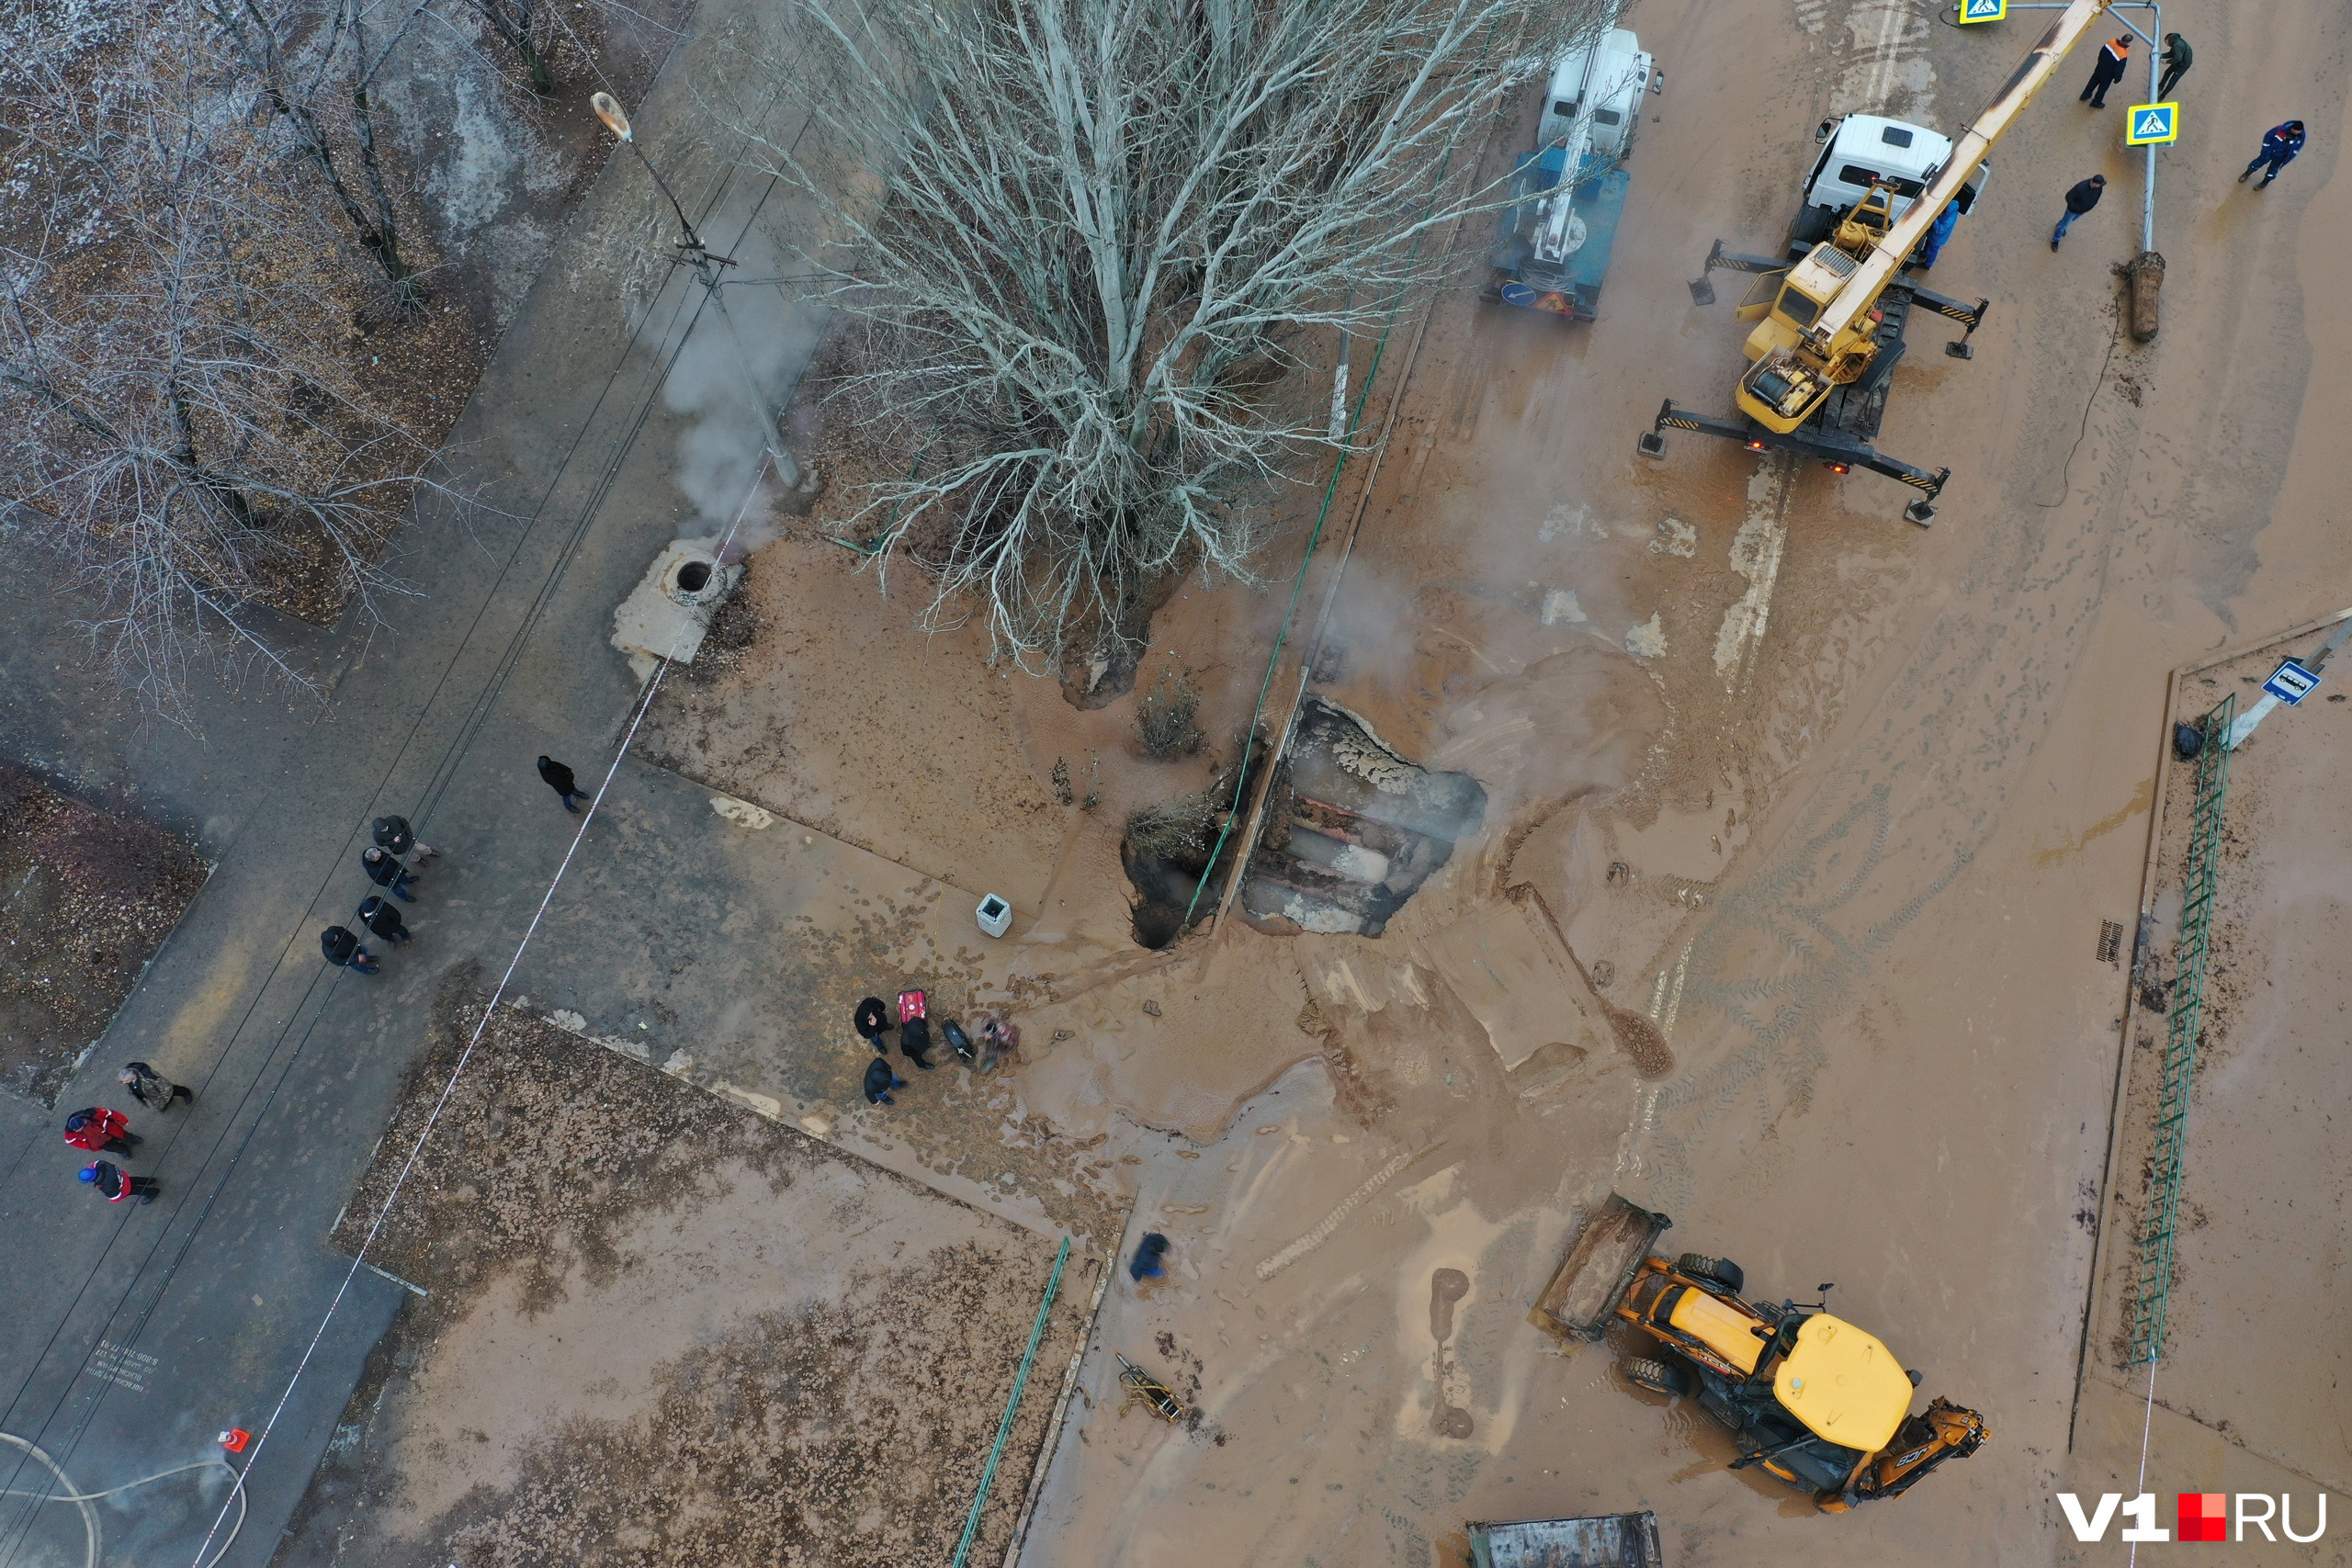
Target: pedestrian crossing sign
{"type": "Point", "coordinates": [1984, 10]}
{"type": "Point", "coordinates": [2145, 125]}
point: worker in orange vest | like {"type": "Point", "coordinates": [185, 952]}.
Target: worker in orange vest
{"type": "Point", "coordinates": [2107, 71]}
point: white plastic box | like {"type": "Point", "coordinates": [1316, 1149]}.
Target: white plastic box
{"type": "Point", "coordinates": [995, 915]}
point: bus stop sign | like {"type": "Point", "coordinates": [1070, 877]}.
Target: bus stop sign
{"type": "Point", "coordinates": [2291, 683]}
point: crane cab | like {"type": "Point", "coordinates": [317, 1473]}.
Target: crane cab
{"type": "Point", "coordinates": [1598, 89]}
{"type": "Point", "coordinates": [1861, 151]}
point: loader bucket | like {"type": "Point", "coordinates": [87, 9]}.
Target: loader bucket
{"type": "Point", "coordinates": [1584, 1290]}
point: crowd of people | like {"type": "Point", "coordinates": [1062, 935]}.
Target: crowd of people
{"type": "Point", "coordinates": [873, 1020]}
{"type": "Point", "coordinates": [2280, 143]}
{"type": "Point", "coordinates": [102, 1130]}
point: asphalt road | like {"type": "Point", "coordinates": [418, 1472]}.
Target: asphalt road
{"type": "Point", "coordinates": [136, 1334]}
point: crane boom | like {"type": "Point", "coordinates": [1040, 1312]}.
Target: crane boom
{"type": "Point", "coordinates": [1830, 320]}
{"type": "Point", "coordinates": [1861, 290]}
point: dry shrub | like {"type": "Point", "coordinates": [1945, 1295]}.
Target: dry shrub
{"type": "Point", "coordinates": [1164, 719]}
{"type": "Point", "coordinates": [1178, 830]}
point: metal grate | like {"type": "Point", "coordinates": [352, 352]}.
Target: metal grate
{"type": "Point", "coordinates": [2200, 884]}
{"type": "Point", "coordinates": [2110, 942]}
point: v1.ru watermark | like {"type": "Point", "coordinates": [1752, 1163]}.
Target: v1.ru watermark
{"type": "Point", "coordinates": [2201, 1515]}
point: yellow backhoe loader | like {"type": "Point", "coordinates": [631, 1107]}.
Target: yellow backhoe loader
{"type": "Point", "coordinates": [1812, 1400]}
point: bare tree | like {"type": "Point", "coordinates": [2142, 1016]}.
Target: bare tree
{"type": "Point", "coordinates": [518, 25]}
{"type": "Point", "coordinates": [293, 83]}
{"type": "Point", "coordinates": [1103, 233]}
{"type": "Point", "coordinates": [175, 423]}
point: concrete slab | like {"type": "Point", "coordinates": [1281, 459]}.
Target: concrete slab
{"type": "Point", "coordinates": [732, 954]}
{"type": "Point", "coordinates": [1509, 969]}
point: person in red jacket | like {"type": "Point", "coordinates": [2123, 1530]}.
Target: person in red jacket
{"type": "Point", "coordinates": [100, 1130]}
{"type": "Point", "coordinates": [119, 1185]}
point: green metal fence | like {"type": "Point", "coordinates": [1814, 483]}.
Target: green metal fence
{"type": "Point", "coordinates": [2200, 884]}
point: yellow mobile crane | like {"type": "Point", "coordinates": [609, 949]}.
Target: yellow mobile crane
{"type": "Point", "coordinates": [1832, 316]}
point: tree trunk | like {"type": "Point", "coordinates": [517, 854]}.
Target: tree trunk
{"type": "Point", "coordinates": [382, 238]}
{"type": "Point", "coordinates": [515, 31]}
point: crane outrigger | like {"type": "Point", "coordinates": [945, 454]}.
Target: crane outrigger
{"type": "Point", "coordinates": [1830, 320]}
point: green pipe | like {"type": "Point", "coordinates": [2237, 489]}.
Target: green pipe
{"type": "Point", "coordinates": [1004, 1426]}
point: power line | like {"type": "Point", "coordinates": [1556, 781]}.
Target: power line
{"type": "Point", "coordinates": [459, 747]}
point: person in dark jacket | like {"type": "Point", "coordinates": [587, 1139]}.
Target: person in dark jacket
{"type": "Point", "coordinates": [382, 917]}
{"type": "Point", "coordinates": [914, 1041]}
{"type": "Point", "coordinates": [98, 1130]}
{"type": "Point", "coordinates": [880, 1081]}
{"type": "Point", "coordinates": [119, 1185]}
{"type": "Point", "coordinates": [2079, 200]}
{"type": "Point", "coordinates": [386, 871]}
{"type": "Point", "coordinates": [394, 837]}
{"type": "Point", "coordinates": [343, 950]}
{"type": "Point", "coordinates": [2107, 71]}
{"type": "Point", "coordinates": [152, 1089]}
{"type": "Point", "coordinates": [2177, 58]}
{"type": "Point", "coordinates": [2279, 145]}
{"type": "Point", "coordinates": [559, 780]}
{"type": "Point", "coordinates": [1147, 1263]}
{"type": "Point", "coordinates": [873, 1022]}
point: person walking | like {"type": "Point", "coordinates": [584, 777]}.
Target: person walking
{"type": "Point", "coordinates": [118, 1184]}
{"type": "Point", "coordinates": [382, 917]}
{"type": "Point", "coordinates": [1149, 1253]}
{"type": "Point", "coordinates": [880, 1081]}
{"type": "Point", "coordinates": [559, 780]}
{"type": "Point", "coordinates": [2279, 145]}
{"type": "Point", "coordinates": [385, 871]}
{"type": "Point", "coordinates": [871, 1022]}
{"type": "Point", "coordinates": [2079, 200]}
{"type": "Point", "coordinates": [1000, 1038]}
{"type": "Point", "coordinates": [2107, 71]}
{"type": "Point", "coordinates": [343, 950]}
{"type": "Point", "coordinates": [152, 1089]}
{"type": "Point", "coordinates": [98, 1130]}
{"type": "Point", "coordinates": [394, 837]}
{"type": "Point", "coordinates": [2177, 59]}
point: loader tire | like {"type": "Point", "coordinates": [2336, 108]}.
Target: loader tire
{"type": "Point", "coordinates": [1658, 1376]}
{"type": "Point", "coordinates": [1722, 1270]}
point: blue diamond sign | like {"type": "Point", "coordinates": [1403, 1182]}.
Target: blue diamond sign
{"type": "Point", "coordinates": [1984, 10]}
{"type": "Point", "coordinates": [2145, 125]}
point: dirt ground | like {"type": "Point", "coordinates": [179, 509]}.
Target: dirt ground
{"type": "Point", "coordinates": [90, 894]}
{"type": "Point", "coordinates": [484, 175]}
{"type": "Point", "coordinates": [1804, 827]}
{"type": "Point", "coordinates": [2265, 1172]}
{"type": "Point", "coordinates": [660, 1329]}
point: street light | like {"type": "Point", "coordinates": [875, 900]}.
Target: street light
{"type": "Point", "coordinates": [616, 121]}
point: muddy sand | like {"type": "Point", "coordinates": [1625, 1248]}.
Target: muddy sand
{"type": "Point", "coordinates": [2263, 1176]}
{"type": "Point", "coordinates": [655, 1328]}
{"type": "Point", "coordinates": [1788, 909]}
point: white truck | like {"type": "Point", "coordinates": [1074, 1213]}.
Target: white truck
{"type": "Point", "coordinates": [1860, 150]}
{"type": "Point", "coordinates": [1566, 195]}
